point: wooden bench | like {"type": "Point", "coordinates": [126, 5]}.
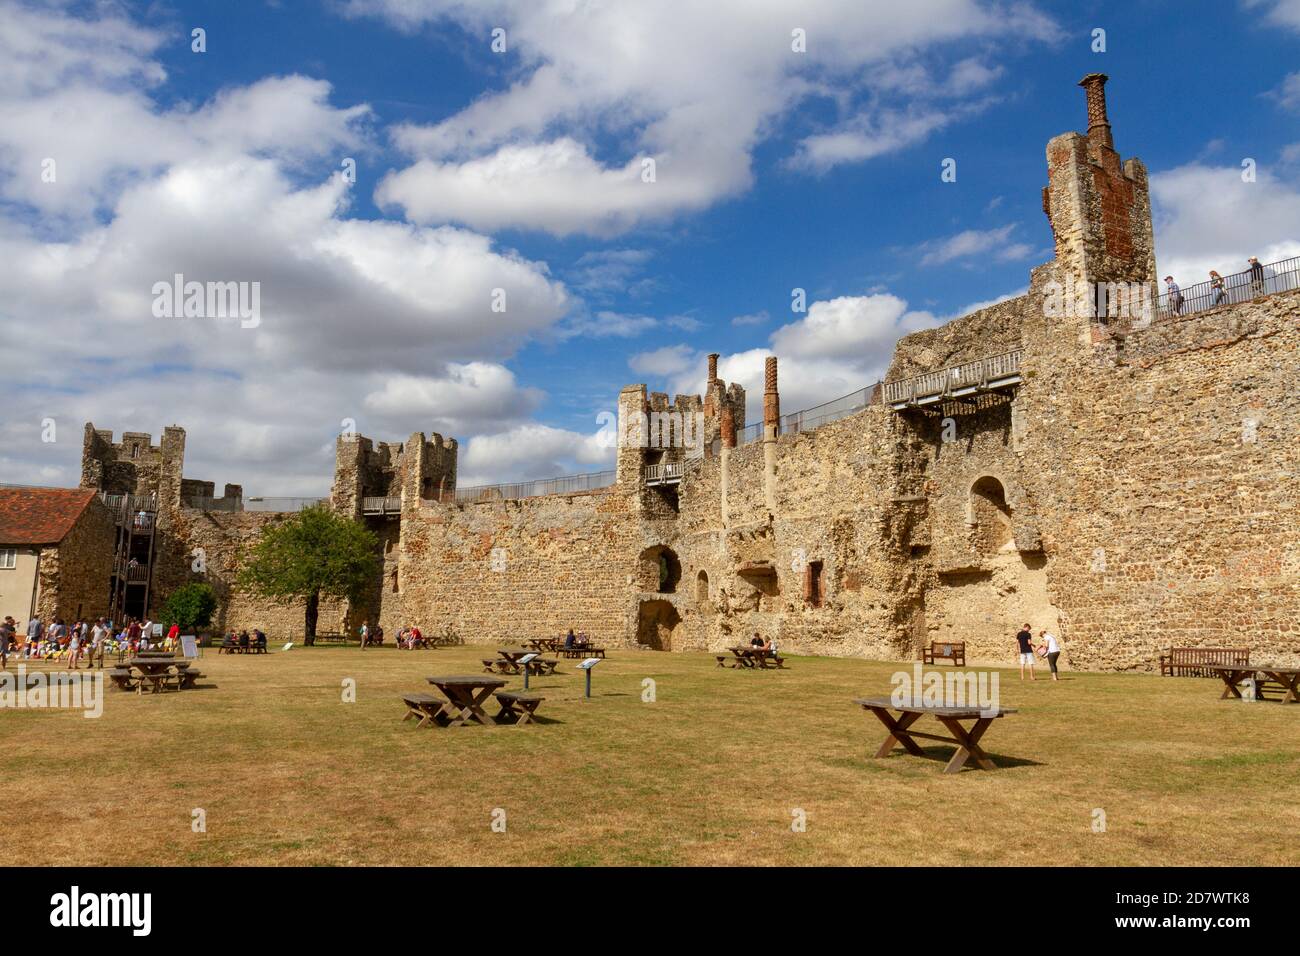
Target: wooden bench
{"type": "Point", "coordinates": [517, 706]}
{"type": "Point", "coordinates": [540, 667]}
{"type": "Point", "coordinates": [122, 678]}
{"type": "Point", "coordinates": [1197, 661]}
{"type": "Point", "coordinates": [499, 665]}
{"type": "Point", "coordinates": [424, 707]}
{"type": "Point", "coordinates": [580, 652]}
{"type": "Point", "coordinates": [954, 652]}
{"type": "Point", "coordinates": [188, 677]}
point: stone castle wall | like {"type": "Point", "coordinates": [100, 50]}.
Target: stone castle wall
{"type": "Point", "coordinates": [1135, 490]}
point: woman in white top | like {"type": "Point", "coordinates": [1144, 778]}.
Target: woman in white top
{"type": "Point", "coordinates": [1053, 650]}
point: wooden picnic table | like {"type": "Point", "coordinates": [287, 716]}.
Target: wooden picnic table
{"type": "Point", "coordinates": [1286, 679]}
{"type": "Point", "coordinates": [967, 741]}
{"type": "Point", "coordinates": [750, 656]}
{"type": "Point", "coordinates": [466, 694]}
{"type": "Point", "coordinates": [157, 671]}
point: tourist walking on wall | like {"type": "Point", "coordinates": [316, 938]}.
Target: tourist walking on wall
{"type": "Point", "coordinates": [1052, 649]}
{"type": "Point", "coordinates": [1025, 639]}
{"type": "Point", "coordinates": [1256, 276]}
{"type": "Point", "coordinates": [1216, 286]}
{"type": "Point", "coordinates": [1175, 295]}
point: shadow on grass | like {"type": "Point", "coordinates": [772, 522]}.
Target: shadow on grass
{"type": "Point", "coordinates": [940, 752]}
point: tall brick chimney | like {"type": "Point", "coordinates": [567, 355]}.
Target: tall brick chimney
{"type": "Point", "coordinates": [771, 397]}
{"type": "Point", "coordinates": [713, 367]}
{"type": "Point", "coordinates": [1099, 135]}
{"type": "Point", "coordinates": [728, 428]}
{"type": "Point", "coordinates": [728, 443]}
{"type": "Point", "coordinates": [771, 425]}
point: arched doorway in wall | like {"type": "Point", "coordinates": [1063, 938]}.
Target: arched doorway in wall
{"type": "Point", "coordinates": [702, 588]}
{"type": "Point", "coordinates": [990, 517]}
{"type": "Point", "coordinates": [655, 624]}
{"type": "Point", "coordinates": [659, 569]}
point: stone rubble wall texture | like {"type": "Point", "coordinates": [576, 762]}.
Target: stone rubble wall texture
{"type": "Point", "coordinates": [74, 574]}
{"type": "Point", "coordinates": [1137, 490]}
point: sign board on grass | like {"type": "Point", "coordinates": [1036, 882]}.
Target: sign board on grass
{"type": "Point", "coordinates": [189, 645]}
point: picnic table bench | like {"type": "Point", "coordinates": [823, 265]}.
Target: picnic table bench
{"type": "Point", "coordinates": [1198, 661]}
{"type": "Point", "coordinates": [751, 657]}
{"type": "Point", "coordinates": [334, 638]}
{"type": "Point", "coordinates": [426, 708]}
{"type": "Point", "coordinates": [1268, 679]}
{"type": "Point", "coordinates": [465, 695]}
{"type": "Point", "coordinates": [580, 651]}
{"type": "Point", "coordinates": [967, 741]}
{"type": "Point", "coordinates": [156, 673]}
{"type": "Point", "coordinates": [517, 706]}
{"type": "Point", "coordinates": [952, 651]}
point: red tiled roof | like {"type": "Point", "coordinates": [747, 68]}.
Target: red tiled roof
{"type": "Point", "coordinates": [40, 515]}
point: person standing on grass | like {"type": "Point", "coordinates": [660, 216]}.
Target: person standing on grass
{"type": "Point", "coordinates": [1025, 638]}
{"type": "Point", "coordinates": [6, 635]}
{"type": "Point", "coordinates": [1052, 649]}
{"type": "Point", "coordinates": [74, 646]}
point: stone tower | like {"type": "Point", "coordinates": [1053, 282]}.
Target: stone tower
{"type": "Point", "coordinates": [1100, 208]}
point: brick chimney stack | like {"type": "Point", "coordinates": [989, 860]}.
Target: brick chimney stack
{"type": "Point", "coordinates": [771, 397]}
{"type": "Point", "coordinates": [1099, 135]}
{"type": "Point", "coordinates": [713, 367]}
{"type": "Point", "coordinates": [728, 427]}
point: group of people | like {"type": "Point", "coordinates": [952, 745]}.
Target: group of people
{"type": "Point", "coordinates": [244, 640]}
{"type": "Point", "coordinates": [1218, 288]}
{"type": "Point", "coordinates": [54, 639]}
{"type": "Point", "coordinates": [1047, 647]}
{"type": "Point", "coordinates": [580, 639]}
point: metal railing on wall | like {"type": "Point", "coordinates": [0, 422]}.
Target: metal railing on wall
{"type": "Point", "coordinates": [569, 484]}
{"type": "Point", "coordinates": [280, 505]}
{"type": "Point", "coordinates": [1232, 289]}
{"type": "Point", "coordinates": [944, 380]}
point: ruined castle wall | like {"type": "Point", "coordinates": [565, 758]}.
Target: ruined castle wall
{"type": "Point", "coordinates": [838, 506]}
{"type": "Point", "coordinates": [989, 331]}
{"type": "Point", "coordinates": [1168, 484]}
{"type": "Point", "coordinates": [225, 538]}
{"type": "Point", "coordinates": [560, 561]}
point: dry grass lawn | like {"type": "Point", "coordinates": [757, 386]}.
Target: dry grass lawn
{"type": "Point", "coordinates": [709, 773]}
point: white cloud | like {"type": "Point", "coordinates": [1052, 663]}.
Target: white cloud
{"type": "Point", "coordinates": [865, 327]}
{"type": "Point", "coordinates": [694, 85]}
{"type": "Point", "coordinates": [991, 244]}
{"type": "Point", "coordinates": [386, 323]}
{"type": "Point", "coordinates": [1288, 93]}
{"type": "Point", "coordinates": [1207, 218]}
{"type": "Point", "coordinates": [1282, 12]}
{"type": "Point", "coordinates": [840, 346]}
{"type": "Point", "coordinates": [752, 318]}
{"type": "Point", "coordinates": [666, 362]}
{"type": "Point", "coordinates": [531, 451]}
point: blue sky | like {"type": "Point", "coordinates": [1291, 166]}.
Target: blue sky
{"type": "Point", "coordinates": [478, 169]}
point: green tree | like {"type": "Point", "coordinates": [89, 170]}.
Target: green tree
{"type": "Point", "coordinates": [190, 607]}
{"type": "Point", "coordinates": [314, 553]}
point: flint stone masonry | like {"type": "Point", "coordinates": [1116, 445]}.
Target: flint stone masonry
{"type": "Point", "coordinates": [1136, 490]}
